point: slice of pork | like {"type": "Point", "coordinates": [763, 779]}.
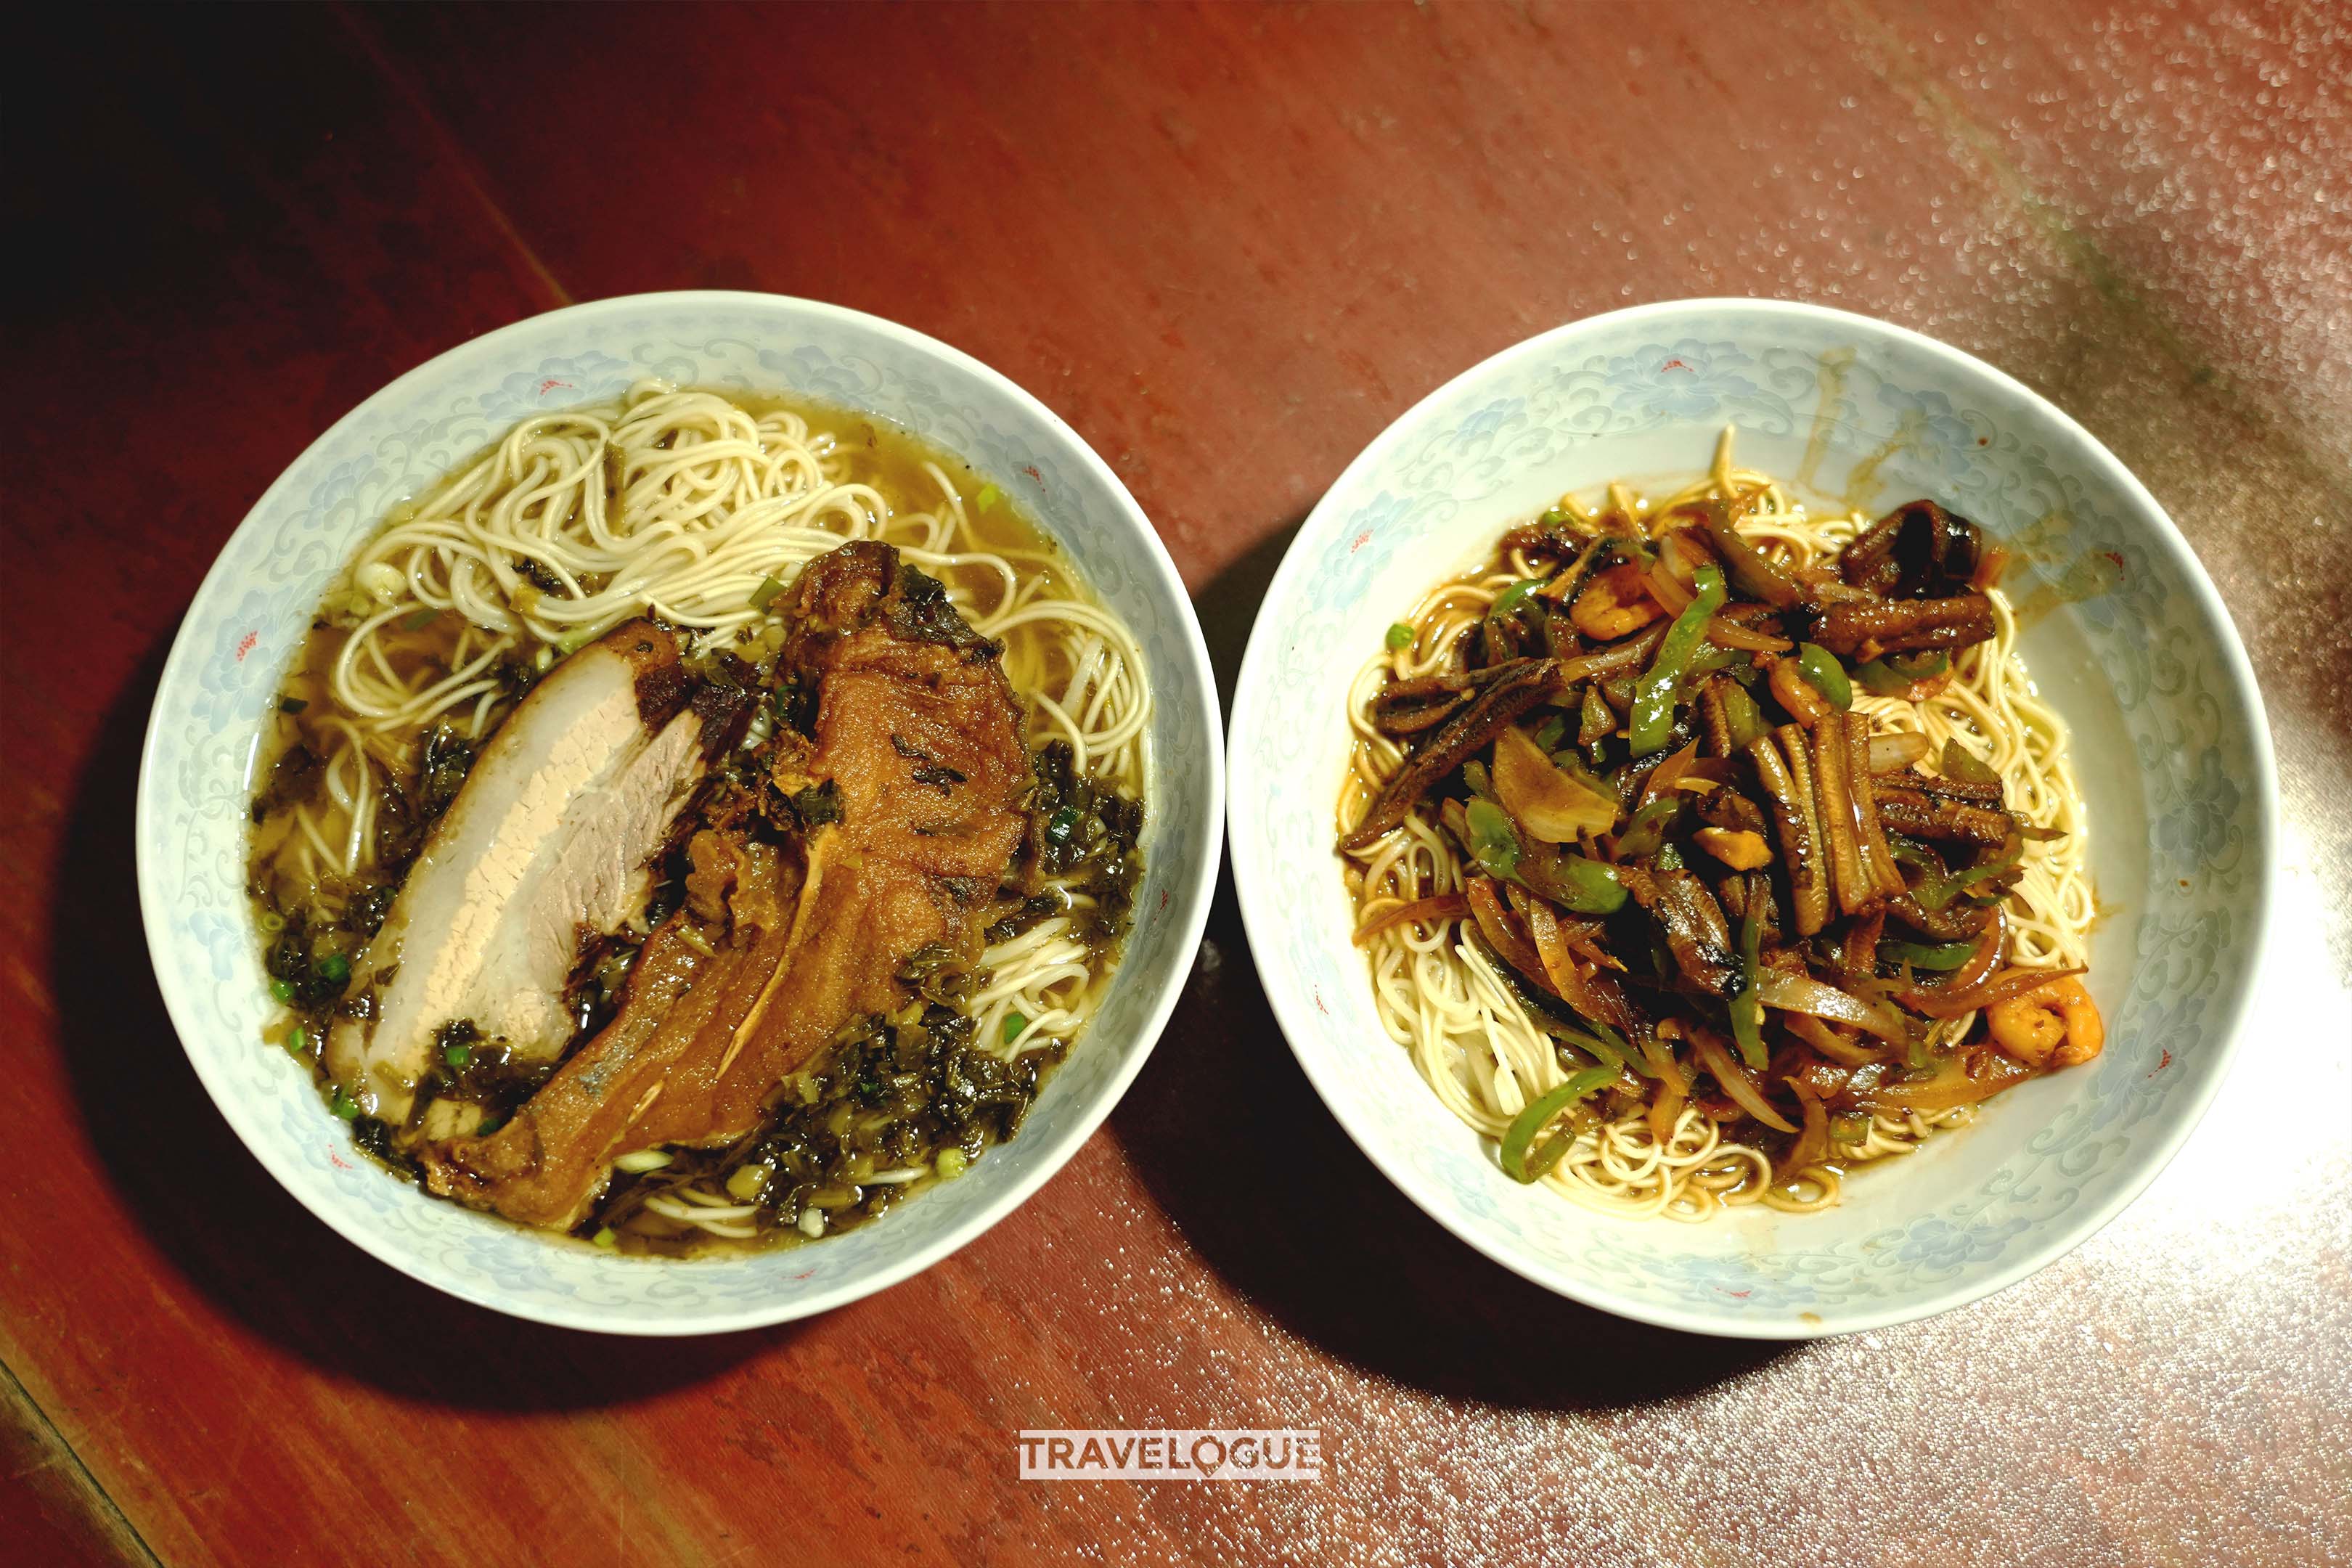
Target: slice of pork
{"type": "Point", "coordinates": [920, 735]}
{"type": "Point", "coordinates": [547, 841]}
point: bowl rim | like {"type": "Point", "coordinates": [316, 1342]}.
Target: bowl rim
{"type": "Point", "coordinates": [1251, 879]}
{"type": "Point", "coordinates": [1190, 662]}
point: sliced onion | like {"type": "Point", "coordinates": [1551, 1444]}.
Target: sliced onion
{"type": "Point", "coordinates": [1795, 993]}
{"type": "Point", "coordinates": [1442, 907]}
{"type": "Point", "coordinates": [1659, 1054]}
{"type": "Point", "coordinates": [1955, 1085]}
{"type": "Point", "coordinates": [1730, 633]}
{"type": "Point", "coordinates": [1812, 1145]}
{"type": "Point", "coordinates": [1892, 751]}
{"type": "Point", "coordinates": [1671, 596]}
{"type": "Point", "coordinates": [1942, 1002]}
{"type": "Point", "coordinates": [1545, 801]}
{"type": "Point", "coordinates": [1673, 1084]}
{"type": "Point", "coordinates": [1495, 925]}
{"type": "Point", "coordinates": [1666, 774]}
{"type": "Point", "coordinates": [1830, 1043]}
{"type": "Point", "coordinates": [1735, 1082]}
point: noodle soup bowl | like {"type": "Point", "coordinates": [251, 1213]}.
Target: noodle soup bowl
{"type": "Point", "coordinates": [2123, 635]}
{"type": "Point", "coordinates": [220, 683]}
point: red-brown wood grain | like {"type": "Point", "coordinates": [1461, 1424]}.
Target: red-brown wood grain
{"type": "Point", "coordinates": [1229, 244]}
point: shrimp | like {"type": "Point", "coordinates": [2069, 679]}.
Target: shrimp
{"type": "Point", "coordinates": [1613, 605]}
{"type": "Point", "coordinates": [2055, 1026]}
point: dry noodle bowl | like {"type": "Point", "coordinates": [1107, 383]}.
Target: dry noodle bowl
{"type": "Point", "coordinates": [1468, 1035]}
{"type": "Point", "coordinates": [694, 507]}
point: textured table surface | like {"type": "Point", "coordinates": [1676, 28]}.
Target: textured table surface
{"type": "Point", "coordinates": [1229, 245]}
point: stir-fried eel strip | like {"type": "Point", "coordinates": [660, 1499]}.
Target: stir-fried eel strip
{"type": "Point", "coordinates": [1986, 793]}
{"type": "Point", "coordinates": [1923, 815]}
{"type": "Point", "coordinates": [1957, 922]}
{"type": "Point", "coordinates": [1520, 687]}
{"type": "Point", "coordinates": [1906, 625]}
{"type": "Point", "coordinates": [1615, 659]}
{"type": "Point", "coordinates": [1854, 890]}
{"type": "Point", "coordinates": [1697, 933]}
{"type": "Point", "coordinates": [1712, 721]}
{"type": "Point", "coordinates": [1409, 707]}
{"type": "Point", "coordinates": [1792, 822]}
{"type": "Point", "coordinates": [1919, 550]}
{"type": "Point", "coordinates": [1877, 857]}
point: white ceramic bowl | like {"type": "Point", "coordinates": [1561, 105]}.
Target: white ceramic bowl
{"type": "Point", "coordinates": [251, 612]}
{"type": "Point", "coordinates": [2168, 737]}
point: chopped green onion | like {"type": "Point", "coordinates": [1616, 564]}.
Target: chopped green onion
{"type": "Point", "coordinates": [291, 704]}
{"type": "Point", "coordinates": [1747, 1011]}
{"type": "Point", "coordinates": [1551, 731]}
{"type": "Point", "coordinates": [1400, 636]}
{"type": "Point", "coordinates": [458, 1056]}
{"type": "Point", "coordinates": [575, 639]}
{"type": "Point", "coordinates": [1924, 955]}
{"type": "Point", "coordinates": [608, 1238]}
{"type": "Point", "coordinates": [1652, 718]}
{"type": "Point", "coordinates": [488, 1125]}
{"type": "Point", "coordinates": [417, 620]}
{"type": "Point", "coordinates": [765, 594]}
{"type": "Point", "coordinates": [1524, 1166]}
{"type": "Point", "coordinates": [334, 968]}
{"type": "Point", "coordinates": [1014, 1023]}
{"type": "Point", "coordinates": [270, 921]}
{"type": "Point", "coordinates": [296, 1041]}
{"type": "Point", "coordinates": [345, 1106]}
{"type": "Point", "coordinates": [1820, 666]}
{"type": "Point", "coordinates": [949, 1163]}
{"type": "Point", "coordinates": [988, 498]}
{"type": "Point", "coordinates": [1555, 516]}
{"type": "Point", "coordinates": [282, 989]}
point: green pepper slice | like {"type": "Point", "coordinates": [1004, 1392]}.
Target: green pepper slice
{"type": "Point", "coordinates": [1521, 1165]}
{"type": "Point", "coordinates": [1654, 695]}
{"type": "Point", "coordinates": [1939, 955]}
{"type": "Point", "coordinates": [1747, 1011]}
{"type": "Point", "coordinates": [1818, 666]}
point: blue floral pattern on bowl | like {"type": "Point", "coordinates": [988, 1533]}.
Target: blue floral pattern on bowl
{"type": "Point", "coordinates": [2137, 653]}
{"type": "Point", "coordinates": [251, 614]}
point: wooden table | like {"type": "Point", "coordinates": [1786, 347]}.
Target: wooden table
{"type": "Point", "coordinates": [1229, 245]}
